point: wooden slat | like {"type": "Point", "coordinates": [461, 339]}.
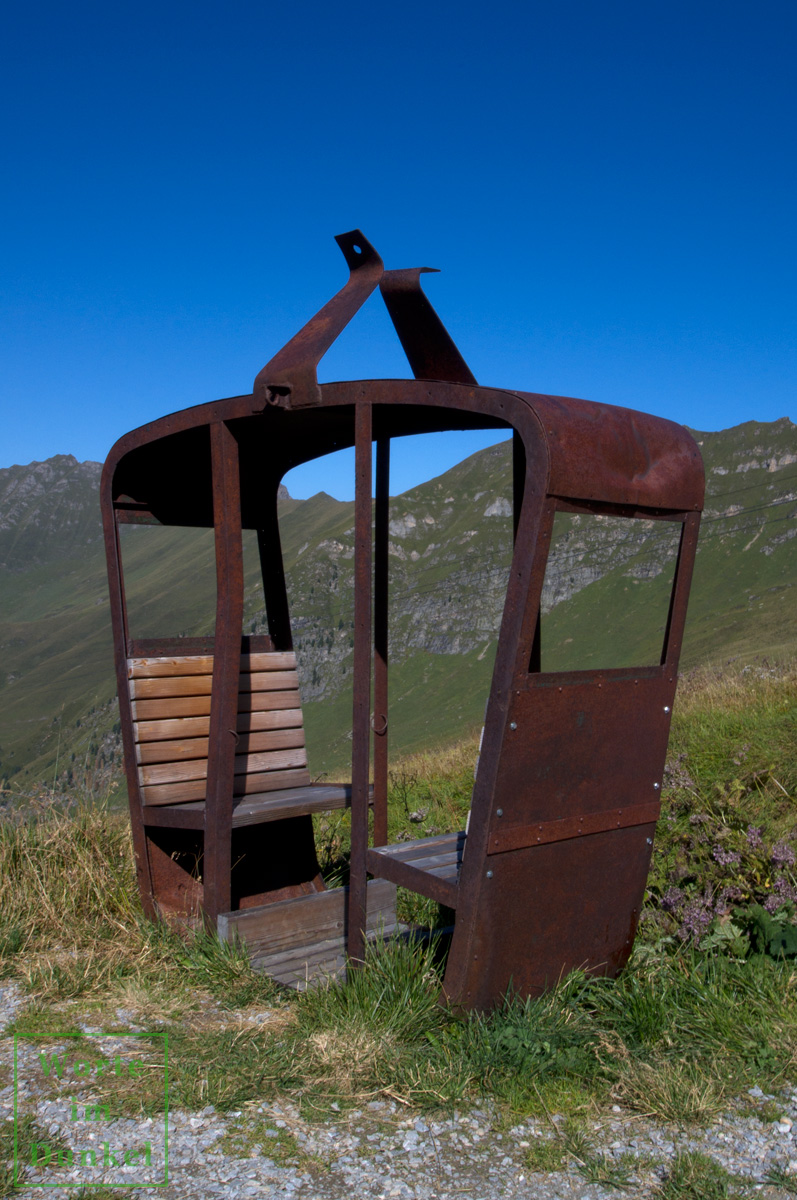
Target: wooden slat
{"type": "Point", "coordinates": [429, 866]}
{"type": "Point", "coordinates": [202, 664]}
{"type": "Point", "coordinates": [268, 681]}
{"type": "Point", "coordinates": [200, 685]}
{"type": "Point", "coordinates": [184, 749]}
{"type": "Point", "coordinates": [194, 789]}
{"type": "Point", "coordinates": [173, 708]}
{"type": "Point", "coordinates": [173, 685]}
{"type": "Point", "coordinates": [245, 764]}
{"type": "Point", "coordinates": [272, 660]}
{"type": "Point", "coordinates": [264, 701]}
{"type": "Point", "coordinates": [440, 843]}
{"type": "Point", "coordinates": [267, 781]}
{"type": "Point", "coordinates": [288, 802]}
{"type": "Point", "coordinates": [195, 706]}
{"type": "Point", "coordinates": [279, 928]}
{"type": "Point", "coordinates": [260, 807]}
{"type": "Point", "coordinates": [191, 727]}
{"type": "Point", "coordinates": [152, 668]}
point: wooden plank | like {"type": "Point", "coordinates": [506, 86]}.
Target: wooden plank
{"type": "Point", "coordinates": [182, 664]}
{"type": "Point", "coordinates": [423, 847]}
{"type": "Point", "coordinates": [200, 685]}
{"type": "Point", "coordinates": [276, 928]}
{"type": "Point", "coordinates": [245, 764]}
{"type": "Point", "coordinates": [194, 789]}
{"type": "Point", "coordinates": [155, 731]}
{"type": "Point", "coordinates": [173, 751]}
{"type": "Point", "coordinates": [323, 962]}
{"type": "Point", "coordinates": [440, 883]}
{"type": "Point", "coordinates": [288, 802]}
{"type": "Point", "coordinates": [173, 793]}
{"type": "Point", "coordinates": [265, 701]}
{"type": "Point", "coordinates": [183, 749]}
{"type": "Point", "coordinates": [273, 660]}
{"type": "Point", "coordinates": [173, 708]}
{"type": "Point", "coordinates": [247, 785]}
{"type": "Point", "coordinates": [202, 664]}
{"type": "Point", "coordinates": [268, 681]}
{"type": "Point", "coordinates": [174, 685]}
{"type": "Point", "coordinates": [258, 808]}
{"type": "Point", "coordinates": [194, 706]}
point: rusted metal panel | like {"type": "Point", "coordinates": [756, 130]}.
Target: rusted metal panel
{"type": "Point", "coordinates": [575, 745]}
{"type": "Point", "coordinates": [604, 452]}
{"type": "Point", "coordinates": [544, 911]}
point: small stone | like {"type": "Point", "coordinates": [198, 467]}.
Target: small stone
{"type": "Point", "coordinates": [616, 1108]}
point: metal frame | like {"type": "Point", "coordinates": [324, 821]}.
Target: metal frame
{"type": "Point", "coordinates": [567, 793]}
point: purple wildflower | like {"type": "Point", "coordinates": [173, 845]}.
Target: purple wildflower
{"type": "Point", "coordinates": [695, 920]}
{"type": "Point", "coordinates": [783, 855]}
{"type": "Point", "coordinates": [724, 857]}
{"type": "Point", "coordinates": [754, 838]}
{"type": "Point", "coordinates": [728, 895]}
{"type": "Point", "coordinates": [672, 899]}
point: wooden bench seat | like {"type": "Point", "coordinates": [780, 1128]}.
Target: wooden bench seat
{"type": "Point", "coordinates": [429, 866]}
{"type": "Point", "coordinates": [254, 810]}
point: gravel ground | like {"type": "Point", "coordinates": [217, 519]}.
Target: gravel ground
{"type": "Point", "coordinates": [378, 1153]}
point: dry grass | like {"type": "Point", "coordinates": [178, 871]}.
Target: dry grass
{"type": "Point", "coordinates": [682, 1093]}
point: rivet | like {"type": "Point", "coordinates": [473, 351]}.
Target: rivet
{"type": "Point", "coordinates": [666, 708]}
{"type": "Point", "coordinates": [489, 874]}
{"type": "Point", "coordinates": [499, 812]}
{"type": "Point", "coordinates": [655, 787]}
{"type": "Point", "coordinates": [649, 841]}
{"type": "Point", "coordinates": [513, 724]}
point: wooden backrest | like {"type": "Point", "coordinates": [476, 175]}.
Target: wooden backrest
{"type": "Point", "coordinates": [170, 699]}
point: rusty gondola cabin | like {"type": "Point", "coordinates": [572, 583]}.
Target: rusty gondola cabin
{"type": "Point", "coordinates": [551, 873]}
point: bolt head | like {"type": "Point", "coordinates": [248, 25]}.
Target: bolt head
{"type": "Point", "coordinates": [513, 724]}
{"type": "Point", "coordinates": [655, 787]}
{"type": "Point", "coordinates": [489, 874]}
{"type": "Point", "coordinates": [666, 708]}
{"type": "Point", "coordinates": [499, 812]}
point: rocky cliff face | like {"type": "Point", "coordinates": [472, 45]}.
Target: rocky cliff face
{"type": "Point", "coordinates": [48, 510]}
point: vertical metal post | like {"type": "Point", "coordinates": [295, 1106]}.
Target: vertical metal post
{"type": "Point", "coordinates": [361, 716]}
{"type": "Point", "coordinates": [679, 597]}
{"type": "Point", "coordinates": [518, 479]}
{"type": "Point", "coordinates": [381, 518]}
{"type": "Point", "coordinates": [121, 638]}
{"type": "Point", "coordinates": [273, 573]}
{"type": "Point", "coordinates": [226, 670]}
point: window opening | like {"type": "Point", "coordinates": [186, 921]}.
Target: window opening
{"type": "Point", "coordinates": [607, 590]}
{"type": "Point", "coordinates": [449, 553]}
{"type": "Point", "coordinates": [170, 580]}
{"type": "Point", "coordinates": [255, 619]}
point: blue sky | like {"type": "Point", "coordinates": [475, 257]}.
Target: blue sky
{"type": "Point", "coordinates": [608, 188]}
